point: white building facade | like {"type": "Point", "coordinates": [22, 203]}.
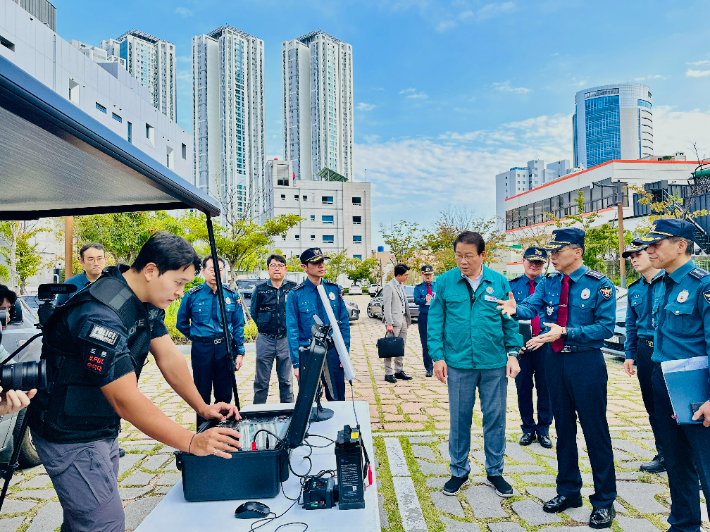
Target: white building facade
{"type": "Point", "coordinates": [96, 54]}
{"type": "Point", "coordinates": [152, 62]}
{"type": "Point", "coordinates": [105, 91]}
{"type": "Point", "coordinates": [317, 85]}
{"type": "Point", "coordinates": [228, 119]}
{"type": "Point", "coordinates": [612, 122]}
{"type": "Point", "coordinates": [335, 215]}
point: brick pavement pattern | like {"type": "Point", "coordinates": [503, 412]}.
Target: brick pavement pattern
{"type": "Point", "coordinates": [410, 422]}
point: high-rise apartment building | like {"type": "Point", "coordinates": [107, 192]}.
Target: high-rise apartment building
{"type": "Point", "coordinates": [152, 62]}
{"type": "Point", "coordinates": [612, 122]}
{"type": "Point", "coordinates": [317, 82]}
{"type": "Point", "coordinates": [228, 119]}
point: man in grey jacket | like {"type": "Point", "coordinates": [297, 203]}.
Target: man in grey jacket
{"type": "Point", "coordinates": [397, 319]}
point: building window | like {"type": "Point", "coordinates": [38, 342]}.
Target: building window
{"type": "Point", "coordinates": [150, 133]}
{"type": "Point", "coordinates": [644, 103]}
{"type": "Point", "coordinates": [357, 257]}
{"type": "Point", "coordinates": [117, 118]}
{"type": "Point", "coordinates": [73, 92]}
{"type": "Point", "coordinates": [313, 217]}
{"type": "Point", "coordinates": [297, 237]}
{"type": "Point", "coordinates": [327, 200]}
{"type": "Point", "coordinates": [100, 107]}
{"type": "Point", "coordinates": [283, 237]}
{"type": "Point", "coordinates": [295, 197]}
{"type": "Point", "coordinates": [130, 132]}
{"type": "Point", "coordinates": [357, 220]}
{"type": "Point", "coordinates": [357, 239]}
{"type": "Point", "coordinates": [305, 198]}
{"type": "Point", "coordinates": [328, 239]}
{"type": "Point", "coordinates": [7, 44]}
{"type": "Point", "coordinates": [313, 238]}
{"type": "Point", "coordinates": [328, 220]}
{"type": "Point", "coordinates": [283, 197]}
{"type": "Point", "coordinates": [357, 201]}
{"type": "Point", "coordinates": [184, 151]}
{"type": "Point", "coordinates": [169, 158]}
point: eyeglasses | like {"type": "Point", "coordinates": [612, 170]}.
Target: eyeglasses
{"type": "Point", "coordinates": [91, 260]}
{"type": "Point", "coordinates": [277, 265]}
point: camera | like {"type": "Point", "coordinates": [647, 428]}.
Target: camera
{"type": "Point", "coordinates": [47, 293]}
{"type": "Point", "coordinates": [24, 376]}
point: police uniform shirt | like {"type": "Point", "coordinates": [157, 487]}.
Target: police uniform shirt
{"type": "Point", "coordinates": [520, 286]}
{"type": "Point", "coordinates": [94, 330]}
{"type": "Point", "coordinates": [638, 315]}
{"type": "Point", "coordinates": [200, 316]}
{"type": "Point", "coordinates": [681, 314]}
{"type": "Point", "coordinates": [302, 303]}
{"type": "Point", "coordinates": [591, 306]}
{"type": "Point", "coordinates": [420, 293]}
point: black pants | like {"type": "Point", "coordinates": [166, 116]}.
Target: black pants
{"type": "Point", "coordinates": [211, 367]}
{"type": "Point", "coordinates": [532, 365]}
{"type": "Point", "coordinates": [421, 324]}
{"type": "Point", "coordinates": [686, 449]}
{"type": "Point", "coordinates": [644, 367]}
{"type": "Point", "coordinates": [577, 384]}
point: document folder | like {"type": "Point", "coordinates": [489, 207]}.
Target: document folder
{"type": "Point", "coordinates": [688, 381]}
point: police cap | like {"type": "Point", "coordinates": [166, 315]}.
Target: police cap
{"type": "Point", "coordinates": [534, 253]}
{"type": "Point", "coordinates": [665, 228]}
{"type": "Point", "coordinates": [633, 248]}
{"type": "Point", "coordinates": [565, 237]}
{"type": "Point", "coordinates": [312, 255]}
{"type": "Point", "coordinates": [427, 268]}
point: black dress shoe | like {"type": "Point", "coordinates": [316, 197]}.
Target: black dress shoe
{"type": "Point", "coordinates": [545, 441]}
{"type": "Point", "coordinates": [391, 378]}
{"type": "Point", "coordinates": [527, 438]}
{"type": "Point", "coordinates": [402, 375]}
{"type": "Point", "coordinates": [657, 465]}
{"type": "Point", "coordinates": [602, 517]}
{"type": "Point", "coordinates": [561, 503]}
{"type": "Point", "coordinates": [430, 373]}
{"type": "Point", "coordinates": [121, 452]}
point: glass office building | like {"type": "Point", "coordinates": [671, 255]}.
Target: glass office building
{"type": "Point", "coordinates": [612, 122]}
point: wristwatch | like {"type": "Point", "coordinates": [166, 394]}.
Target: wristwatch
{"type": "Point", "coordinates": [515, 354]}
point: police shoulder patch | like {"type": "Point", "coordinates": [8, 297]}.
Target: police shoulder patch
{"type": "Point", "coordinates": [298, 286]}
{"type": "Point", "coordinates": [606, 292]}
{"type": "Point", "coordinates": [195, 289]}
{"type": "Point", "coordinates": [699, 273]}
{"type": "Point", "coordinates": [595, 274]}
{"type": "Point", "coordinates": [326, 281]}
{"type": "Point", "coordinates": [706, 296]}
{"type": "Point", "coordinates": [104, 335]}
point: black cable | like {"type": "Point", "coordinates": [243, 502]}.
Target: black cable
{"type": "Point", "coordinates": [352, 393]}
{"type": "Point", "coordinates": [319, 436]}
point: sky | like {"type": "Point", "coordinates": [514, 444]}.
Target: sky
{"type": "Point", "coordinates": [450, 93]}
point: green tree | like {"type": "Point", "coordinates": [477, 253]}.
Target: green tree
{"type": "Point", "coordinates": [338, 264]}
{"type": "Point", "coordinates": [363, 270]}
{"type": "Point", "coordinates": [21, 253]}
{"type": "Point", "coordinates": [402, 239]}
{"type": "Point", "coordinates": [294, 264]}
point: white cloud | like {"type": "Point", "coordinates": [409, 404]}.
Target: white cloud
{"type": "Point", "coordinates": [362, 106]}
{"type": "Point", "coordinates": [184, 12]}
{"type": "Point", "coordinates": [505, 87]}
{"type": "Point", "coordinates": [405, 91]}
{"type": "Point", "coordinates": [677, 131]}
{"type": "Point", "coordinates": [654, 76]}
{"type": "Point", "coordinates": [698, 63]}
{"type": "Point", "coordinates": [697, 73]}
{"type": "Point", "coordinates": [578, 82]}
{"type": "Point", "coordinates": [486, 12]}
{"type": "Point", "coordinates": [412, 93]}
{"type": "Point", "coordinates": [445, 25]}
{"type": "Point", "coordinates": [494, 10]}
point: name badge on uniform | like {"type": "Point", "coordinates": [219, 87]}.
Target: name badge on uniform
{"type": "Point", "coordinates": [682, 297]}
{"type": "Point", "coordinates": [586, 293]}
{"type": "Point", "coordinates": [549, 311]}
{"type": "Point", "coordinates": [491, 298]}
{"type": "Point", "coordinates": [331, 296]}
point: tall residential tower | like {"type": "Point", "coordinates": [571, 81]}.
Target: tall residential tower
{"type": "Point", "coordinates": [612, 122]}
{"type": "Point", "coordinates": [317, 81]}
{"type": "Point", "coordinates": [152, 62]}
{"type": "Point", "coordinates": [228, 119]}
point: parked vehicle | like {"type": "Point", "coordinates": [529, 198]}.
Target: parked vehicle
{"type": "Point", "coordinates": [373, 289]}
{"type": "Point", "coordinates": [355, 290]}
{"type": "Point", "coordinates": [374, 307]}
{"type": "Point", "coordinates": [614, 346]}
{"type": "Point", "coordinates": [353, 310]}
{"type": "Point", "coordinates": [246, 287]}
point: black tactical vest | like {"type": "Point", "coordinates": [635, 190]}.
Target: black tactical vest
{"type": "Point", "coordinates": [271, 308]}
{"type": "Point", "coordinates": [73, 409]}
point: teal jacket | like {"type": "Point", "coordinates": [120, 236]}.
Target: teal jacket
{"type": "Point", "coordinates": [471, 334]}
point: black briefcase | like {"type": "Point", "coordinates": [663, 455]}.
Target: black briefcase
{"type": "Point", "coordinates": [390, 346]}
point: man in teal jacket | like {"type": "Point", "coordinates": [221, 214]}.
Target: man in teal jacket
{"type": "Point", "coordinates": [473, 346]}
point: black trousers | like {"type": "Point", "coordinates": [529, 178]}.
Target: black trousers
{"type": "Point", "coordinates": [532, 366]}
{"type": "Point", "coordinates": [644, 367]}
{"type": "Point", "coordinates": [686, 449]}
{"type": "Point", "coordinates": [577, 384]}
{"type": "Point", "coordinates": [211, 367]}
{"type": "Point", "coordinates": [422, 324]}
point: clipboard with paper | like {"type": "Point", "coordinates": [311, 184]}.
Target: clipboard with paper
{"type": "Point", "coordinates": [688, 382]}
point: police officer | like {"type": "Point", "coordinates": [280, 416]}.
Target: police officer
{"type": "Point", "coordinates": [303, 302]}
{"type": "Point", "coordinates": [199, 319]}
{"type": "Point", "coordinates": [532, 363]}
{"type": "Point", "coordinates": [268, 310]}
{"type": "Point", "coordinates": [93, 258]}
{"type": "Point", "coordinates": [639, 341]}
{"type": "Point", "coordinates": [95, 347]}
{"type": "Point", "coordinates": [681, 315]}
{"type": "Point", "coordinates": [579, 308]}
{"type": "Point", "coordinates": [423, 293]}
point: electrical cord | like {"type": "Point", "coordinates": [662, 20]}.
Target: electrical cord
{"type": "Point", "coordinates": [352, 394]}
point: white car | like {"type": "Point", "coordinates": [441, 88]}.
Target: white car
{"type": "Point", "coordinates": [355, 290]}
{"type": "Point", "coordinates": [373, 289]}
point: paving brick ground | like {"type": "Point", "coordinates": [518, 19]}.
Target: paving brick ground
{"type": "Point", "coordinates": [410, 421]}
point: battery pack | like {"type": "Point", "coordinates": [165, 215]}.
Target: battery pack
{"type": "Point", "coordinates": [351, 469]}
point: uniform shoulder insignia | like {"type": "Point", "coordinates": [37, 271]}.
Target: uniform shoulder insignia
{"type": "Point", "coordinates": [297, 287]}
{"type": "Point", "coordinates": [515, 278]}
{"type": "Point", "coordinates": [657, 278]}
{"type": "Point", "coordinates": [552, 274]}
{"type": "Point", "coordinates": [635, 282]}
{"type": "Point", "coordinates": [595, 274]}
{"type": "Point", "coordinates": [326, 281]}
{"type": "Point", "coordinates": [195, 289]}
{"type": "Point", "coordinates": [229, 289]}
{"type": "Point", "coordinates": [699, 273]}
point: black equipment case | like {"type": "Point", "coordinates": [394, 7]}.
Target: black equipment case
{"type": "Point", "coordinates": [252, 474]}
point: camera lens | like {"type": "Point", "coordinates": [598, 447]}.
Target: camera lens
{"type": "Point", "coordinates": [24, 376]}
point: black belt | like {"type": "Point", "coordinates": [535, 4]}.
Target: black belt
{"type": "Point", "coordinates": [575, 349]}
{"type": "Point", "coordinates": [648, 342]}
{"type": "Point", "coordinates": [208, 340]}
{"type": "Point", "coordinates": [273, 336]}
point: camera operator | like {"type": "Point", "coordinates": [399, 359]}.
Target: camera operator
{"type": "Point", "coordinates": [95, 347]}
